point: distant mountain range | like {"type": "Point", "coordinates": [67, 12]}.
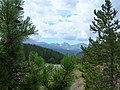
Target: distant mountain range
{"type": "Point", "coordinates": [63, 48]}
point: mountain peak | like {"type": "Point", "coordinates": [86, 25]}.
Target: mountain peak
{"type": "Point", "coordinates": [65, 44]}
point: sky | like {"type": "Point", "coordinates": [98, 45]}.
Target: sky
{"type": "Point", "coordinates": [59, 21]}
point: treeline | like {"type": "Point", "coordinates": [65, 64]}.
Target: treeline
{"type": "Point", "coordinates": [48, 55]}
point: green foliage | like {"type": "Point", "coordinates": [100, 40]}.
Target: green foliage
{"type": "Point", "coordinates": [12, 31]}
{"type": "Point", "coordinates": [69, 62]}
{"type": "Point", "coordinates": [45, 76]}
{"type": "Point", "coordinates": [101, 69]}
{"type": "Point", "coordinates": [62, 76]}
{"type": "Point", "coordinates": [49, 56]}
{"type": "Point", "coordinates": [31, 78]}
{"type": "Point", "coordinates": [49, 76]}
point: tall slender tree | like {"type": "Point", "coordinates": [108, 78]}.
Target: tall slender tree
{"type": "Point", "coordinates": [13, 30]}
{"type": "Point", "coordinates": [102, 66]}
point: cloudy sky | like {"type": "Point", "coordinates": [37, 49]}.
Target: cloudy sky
{"type": "Point", "coordinates": [60, 21]}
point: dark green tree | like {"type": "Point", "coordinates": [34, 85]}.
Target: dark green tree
{"type": "Point", "coordinates": [59, 77]}
{"type": "Point", "coordinates": [31, 79]}
{"type": "Point", "coordinates": [45, 76]}
{"type": "Point", "coordinates": [13, 30]}
{"type": "Point", "coordinates": [101, 68]}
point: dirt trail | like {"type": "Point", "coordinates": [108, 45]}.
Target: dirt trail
{"type": "Point", "coordinates": [78, 83]}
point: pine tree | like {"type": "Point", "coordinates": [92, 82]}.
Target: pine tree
{"type": "Point", "coordinates": [31, 79]}
{"type": "Point", "coordinates": [13, 30]}
{"type": "Point", "coordinates": [45, 76]}
{"type": "Point", "coordinates": [102, 66]}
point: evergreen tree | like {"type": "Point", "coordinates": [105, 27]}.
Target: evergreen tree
{"type": "Point", "coordinates": [102, 67]}
{"type": "Point", "coordinates": [44, 76]}
{"type": "Point", "coordinates": [13, 30]}
{"type": "Point", "coordinates": [31, 79]}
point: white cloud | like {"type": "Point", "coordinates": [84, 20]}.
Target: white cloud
{"type": "Point", "coordinates": [65, 19]}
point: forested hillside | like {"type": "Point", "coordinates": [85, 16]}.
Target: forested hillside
{"type": "Point", "coordinates": [48, 55]}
